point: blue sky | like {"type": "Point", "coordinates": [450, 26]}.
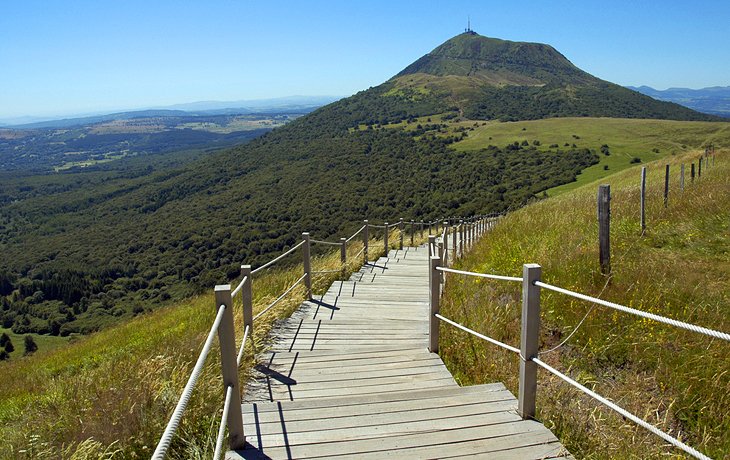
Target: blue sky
{"type": "Point", "coordinates": [71, 57]}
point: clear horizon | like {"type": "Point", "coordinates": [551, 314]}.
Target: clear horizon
{"type": "Point", "coordinates": [84, 57]}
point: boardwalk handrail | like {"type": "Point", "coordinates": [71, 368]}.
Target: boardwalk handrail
{"type": "Point", "coordinates": [633, 311]}
{"type": "Point", "coordinates": [528, 350]}
{"type": "Point", "coordinates": [182, 403]}
{"type": "Point", "coordinates": [223, 325]}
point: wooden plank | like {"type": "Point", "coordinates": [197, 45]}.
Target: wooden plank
{"type": "Point", "coordinates": [422, 394]}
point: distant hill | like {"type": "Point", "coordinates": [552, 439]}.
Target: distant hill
{"type": "Point", "coordinates": [714, 100]}
{"type": "Point", "coordinates": [288, 104]}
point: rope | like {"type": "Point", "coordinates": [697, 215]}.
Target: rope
{"type": "Point", "coordinates": [238, 288]}
{"type": "Point", "coordinates": [643, 314]}
{"type": "Point", "coordinates": [481, 336]}
{"type": "Point", "coordinates": [280, 297]}
{"type": "Point", "coordinates": [355, 234]}
{"type": "Point", "coordinates": [360, 252]}
{"type": "Point", "coordinates": [480, 275]}
{"type": "Point", "coordinates": [182, 403]}
{"type": "Point", "coordinates": [673, 441]}
{"type": "Point", "coordinates": [267, 264]}
{"type": "Point", "coordinates": [243, 345]}
{"type": "Point", "coordinates": [224, 422]}
{"type": "Point", "coordinates": [325, 242]}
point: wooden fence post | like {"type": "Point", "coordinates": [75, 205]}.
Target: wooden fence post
{"type": "Point", "coordinates": [401, 228]}
{"type": "Point", "coordinates": [421, 229]}
{"type": "Point", "coordinates": [386, 245]}
{"type": "Point", "coordinates": [307, 258]}
{"type": "Point", "coordinates": [453, 243]}
{"type": "Point", "coordinates": [227, 340]}
{"type": "Point", "coordinates": [247, 298]}
{"type": "Point", "coordinates": [604, 228]}
{"type": "Point", "coordinates": [431, 245]}
{"type": "Point", "coordinates": [643, 199]}
{"type": "Point", "coordinates": [446, 243]}
{"type": "Point", "coordinates": [529, 340]}
{"type": "Point", "coordinates": [413, 232]}
{"type": "Point", "coordinates": [461, 239]}
{"type": "Point", "coordinates": [699, 168]}
{"type": "Point", "coordinates": [681, 178]}
{"type": "Point", "coordinates": [429, 228]}
{"type": "Point", "coordinates": [365, 241]}
{"type": "Point", "coordinates": [343, 256]}
{"type": "Point", "coordinates": [666, 186]}
{"type": "Point", "coordinates": [435, 287]}
{"type": "Point", "coordinates": [692, 172]}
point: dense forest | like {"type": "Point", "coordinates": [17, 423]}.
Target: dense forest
{"type": "Point", "coordinates": [82, 250]}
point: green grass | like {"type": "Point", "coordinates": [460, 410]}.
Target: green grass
{"type": "Point", "coordinates": [626, 138]}
{"type": "Point", "coordinates": [110, 394]}
{"type": "Point", "coordinates": [44, 342]}
{"type": "Point", "coordinates": [675, 379]}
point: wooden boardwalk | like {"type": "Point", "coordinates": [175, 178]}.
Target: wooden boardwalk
{"type": "Point", "coordinates": [350, 375]}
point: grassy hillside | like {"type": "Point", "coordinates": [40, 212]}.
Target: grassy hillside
{"type": "Point", "coordinates": [110, 394]}
{"type": "Point", "coordinates": [673, 378]}
{"type": "Point", "coordinates": [626, 139]}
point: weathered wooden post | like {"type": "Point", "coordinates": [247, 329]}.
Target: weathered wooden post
{"type": "Point", "coordinates": [365, 241]}
{"type": "Point", "coordinates": [421, 229]}
{"type": "Point", "coordinates": [433, 322]}
{"type": "Point", "coordinates": [453, 243]}
{"type": "Point", "coordinates": [227, 340]}
{"type": "Point", "coordinates": [446, 244]}
{"type": "Point", "coordinates": [306, 255]}
{"type": "Point", "coordinates": [386, 245]}
{"type": "Point", "coordinates": [699, 168]}
{"type": "Point", "coordinates": [604, 228]}
{"type": "Point", "coordinates": [666, 186]}
{"type": "Point", "coordinates": [692, 173]}
{"type": "Point", "coordinates": [643, 199]}
{"type": "Point", "coordinates": [343, 256]}
{"type": "Point", "coordinates": [462, 236]}
{"type": "Point", "coordinates": [413, 232]}
{"type": "Point", "coordinates": [401, 229]}
{"type": "Point", "coordinates": [429, 228]}
{"type": "Point", "coordinates": [247, 299]}
{"type": "Point", "coordinates": [431, 245]}
{"type": "Point", "coordinates": [529, 340]}
{"type": "Point", "coordinates": [681, 177]}
{"type": "Point", "coordinates": [442, 275]}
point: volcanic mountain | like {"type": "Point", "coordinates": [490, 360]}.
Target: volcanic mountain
{"type": "Point", "coordinates": [489, 78]}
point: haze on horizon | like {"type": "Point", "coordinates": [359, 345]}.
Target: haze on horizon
{"type": "Point", "coordinates": [90, 57]}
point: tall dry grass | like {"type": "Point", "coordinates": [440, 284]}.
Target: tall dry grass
{"type": "Point", "coordinates": [680, 268]}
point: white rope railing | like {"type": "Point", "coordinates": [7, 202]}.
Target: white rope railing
{"type": "Point", "coordinates": [271, 262]}
{"type": "Point", "coordinates": [355, 234]}
{"type": "Point", "coordinates": [325, 242]}
{"type": "Point", "coordinates": [360, 252]}
{"type": "Point", "coordinates": [480, 275]}
{"type": "Point", "coordinates": [182, 403]}
{"type": "Point", "coordinates": [243, 346]}
{"type": "Point", "coordinates": [675, 442]}
{"type": "Point", "coordinates": [481, 336]}
{"type": "Point", "coordinates": [643, 314]}
{"type": "Point", "coordinates": [271, 305]}
{"type": "Point", "coordinates": [239, 287]}
{"type": "Point", "coordinates": [224, 422]}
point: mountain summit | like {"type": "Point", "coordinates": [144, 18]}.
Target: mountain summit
{"type": "Point", "coordinates": [498, 61]}
{"type": "Point", "coordinates": [488, 78]}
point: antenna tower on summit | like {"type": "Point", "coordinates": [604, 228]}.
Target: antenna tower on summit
{"type": "Point", "coordinates": [468, 26]}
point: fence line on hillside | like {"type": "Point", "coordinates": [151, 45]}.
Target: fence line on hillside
{"type": "Point", "coordinates": [232, 419]}
{"type": "Point", "coordinates": [530, 325]}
